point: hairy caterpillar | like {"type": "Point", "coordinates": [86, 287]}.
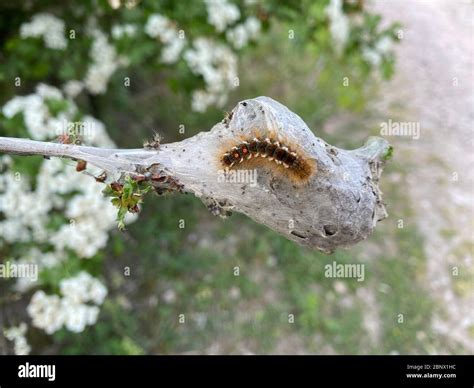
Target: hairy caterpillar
{"type": "Point", "coordinates": [276, 155]}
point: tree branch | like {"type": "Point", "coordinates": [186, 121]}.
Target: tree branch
{"type": "Point", "coordinates": [339, 205]}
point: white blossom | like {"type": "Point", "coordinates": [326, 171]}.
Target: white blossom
{"type": "Point", "coordinates": [201, 100]}
{"type": "Point", "coordinates": [47, 26]}
{"type": "Point", "coordinates": [160, 27]}
{"type": "Point", "coordinates": [156, 25]}
{"type": "Point", "coordinates": [12, 107]}
{"type": "Point", "coordinates": [217, 64]}
{"type": "Point", "coordinates": [78, 316]}
{"type": "Point", "coordinates": [40, 124]}
{"type": "Point", "coordinates": [104, 63]}
{"type": "Point", "coordinates": [83, 288]}
{"type": "Point", "coordinates": [42, 260]}
{"type": "Point", "coordinates": [371, 56]}
{"type": "Point", "coordinates": [46, 312]}
{"type": "Point", "coordinates": [73, 310]}
{"type": "Point", "coordinates": [121, 30]}
{"type": "Point", "coordinates": [96, 133]}
{"type": "Point", "coordinates": [241, 34]}
{"type": "Point", "coordinates": [338, 24]}
{"type": "Point", "coordinates": [73, 88]}
{"type": "Point", "coordinates": [48, 92]}
{"type": "Point", "coordinates": [238, 36]}
{"type": "Point", "coordinates": [253, 27]}
{"type": "Point", "coordinates": [221, 13]}
{"type": "Point", "coordinates": [384, 45]}
{"type": "Point", "coordinates": [17, 335]}
{"type": "Point", "coordinates": [169, 296]}
{"type": "Point", "coordinates": [25, 212]}
{"type": "Point", "coordinates": [172, 50]}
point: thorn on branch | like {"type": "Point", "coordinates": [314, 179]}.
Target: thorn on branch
{"type": "Point", "coordinates": [154, 143]}
{"type": "Point", "coordinates": [227, 118]}
{"type": "Point", "coordinates": [101, 178]}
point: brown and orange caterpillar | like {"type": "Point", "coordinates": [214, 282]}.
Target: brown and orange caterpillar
{"type": "Point", "coordinates": [281, 158]}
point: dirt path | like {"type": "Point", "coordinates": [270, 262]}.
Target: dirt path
{"type": "Point", "coordinates": [434, 85]}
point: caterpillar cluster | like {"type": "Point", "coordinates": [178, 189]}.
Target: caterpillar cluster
{"type": "Point", "coordinates": [280, 158]}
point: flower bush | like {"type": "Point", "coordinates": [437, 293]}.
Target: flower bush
{"type": "Point", "coordinates": [61, 64]}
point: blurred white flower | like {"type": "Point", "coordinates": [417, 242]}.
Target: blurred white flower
{"type": "Point", "coordinates": [172, 51]}
{"type": "Point", "coordinates": [217, 64]}
{"type": "Point", "coordinates": [156, 25]}
{"type": "Point", "coordinates": [121, 30]}
{"type": "Point", "coordinates": [46, 312]}
{"type": "Point", "coordinates": [201, 100]}
{"type": "Point", "coordinates": [83, 288]}
{"type": "Point", "coordinates": [159, 26]}
{"type": "Point", "coordinates": [221, 13]}
{"type": "Point", "coordinates": [17, 335]}
{"type": "Point", "coordinates": [96, 132]}
{"type": "Point", "coordinates": [253, 26]}
{"type": "Point", "coordinates": [384, 45]}
{"type": "Point", "coordinates": [240, 35]}
{"type": "Point", "coordinates": [47, 26]}
{"type": "Point", "coordinates": [46, 91]}
{"type": "Point", "coordinates": [338, 24]}
{"type": "Point", "coordinates": [169, 296]}
{"type": "Point", "coordinates": [371, 56]}
{"type": "Point", "coordinates": [42, 260]}
{"type": "Point", "coordinates": [78, 316]}
{"type": "Point", "coordinates": [75, 289]}
{"type": "Point", "coordinates": [25, 213]}
{"type": "Point", "coordinates": [73, 311]}
{"type": "Point", "coordinates": [12, 107]}
{"type": "Point", "coordinates": [73, 88]}
{"type": "Point", "coordinates": [104, 63]}
{"type": "Point", "coordinates": [40, 124]}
